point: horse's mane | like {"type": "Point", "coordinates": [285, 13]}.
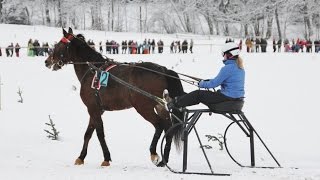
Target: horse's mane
{"type": "Point", "coordinates": [87, 52]}
{"type": "Point", "coordinates": [81, 36]}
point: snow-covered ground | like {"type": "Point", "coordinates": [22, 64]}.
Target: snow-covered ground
{"type": "Point", "coordinates": [282, 93]}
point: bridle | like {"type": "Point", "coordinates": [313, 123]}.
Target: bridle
{"type": "Point", "coordinates": [65, 40]}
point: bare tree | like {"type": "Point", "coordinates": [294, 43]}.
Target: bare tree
{"type": "Point", "coordinates": [1, 2]}
{"type": "Point", "coordinates": [47, 14]}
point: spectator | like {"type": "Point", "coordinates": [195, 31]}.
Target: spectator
{"type": "Point", "coordinates": [263, 44]}
{"type": "Point", "coordinates": [153, 45]}
{"type": "Point", "coordinates": [279, 45]}
{"type": "Point", "coordinates": [100, 47]}
{"type": "Point", "coordinates": [30, 48]}
{"type": "Point", "coordinates": [171, 47]}
{"type": "Point", "coordinates": [191, 45]}
{"type": "Point", "coordinates": [248, 44]}
{"type": "Point", "coordinates": [46, 48]}
{"type": "Point", "coordinates": [17, 49]}
{"type": "Point", "coordinates": [149, 45]}
{"type": "Point", "coordinates": [258, 42]}
{"type": "Point", "coordinates": [123, 47]}
{"type": "Point", "coordinates": [160, 46]}
{"type": "Point", "coordinates": [184, 46]}
{"type": "Point", "coordinates": [316, 46]}
{"type": "Point", "coordinates": [309, 46]}
{"type": "Point", "coordinates": [274, 46]}
{"type": "Point", "coordinates": [179, 46]}
{"type": "Point", "coordinates": [41, 50]}
{"type": "Point", "coordinates": [36, 47]}
{"type": "Point", "coordinates": [9, 50]}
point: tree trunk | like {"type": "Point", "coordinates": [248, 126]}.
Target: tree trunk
{"type": "Point", "coordinates": [180, 19]}
{"type": "Point", "coordinates": [93, 19]}
{"type": "Point", "coordinates": [187, 22]}
{"type": "Point", "coordinates": [140, 19]}
{"type": "Point", "coordinates": [246, 32]}
{"type": "Point", "coordinates": [269, 25]}
{"type": "Point", "coordinates": [48, 20]}
{"type": "Point", "coordinates": [112, 15]}
{"type": "Point", "coordinates": [1, 1]}
{"type": "Point", "coordinates": [28, 15]}
{"type": "Point", "coordinates": [306, 18]}
{"type": "Point", "coordinates": [209, 22]}
{"type": "Point", "coordinates": [59, 23]}
{"type": "Point", "coordinates": [256, 27]}
{"type": "Point", "coordinates": [226, 29]}
{"type": "Point", "coordinates": [217, 27]}
{"type": "Point", "coordinates": [109, 19]}
{"type": "Point", "coordinates": [278, 23]}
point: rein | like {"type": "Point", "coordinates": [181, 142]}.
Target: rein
{"type": "Point", "coordinates": [195, 83]}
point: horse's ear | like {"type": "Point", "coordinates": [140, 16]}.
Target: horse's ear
{"type": "Point", "coordinates": [64, 32]}
{"type": "Point", "coordinates": [70, 31]}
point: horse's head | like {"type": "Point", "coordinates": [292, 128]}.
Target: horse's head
{"type": "Point", "coordinates": [61, 52]}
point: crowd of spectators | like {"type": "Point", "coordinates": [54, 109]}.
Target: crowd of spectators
{"type": "Point", "coordinates": [299, 45]}
{"type": "Point", "coordinates": [150, 46]}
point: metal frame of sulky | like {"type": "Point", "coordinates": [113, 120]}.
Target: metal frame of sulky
{"type": "Point", "coordinates": [191, 117]}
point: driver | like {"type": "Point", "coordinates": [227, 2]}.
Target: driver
{"type": "Point", "coordinates": [231, 80]}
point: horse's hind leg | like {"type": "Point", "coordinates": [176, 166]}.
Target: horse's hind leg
{"type": "Point", "coordinates": [154, 142]}
{"type": "Point", "coordinates": [148, 114]}
{"type": "Point", "coordinates": [87, 137]}
{"type": "Point", "coordinates": [167, 148]}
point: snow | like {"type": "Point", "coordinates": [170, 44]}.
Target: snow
{"type": "Point", "coordinates": [282, 94]}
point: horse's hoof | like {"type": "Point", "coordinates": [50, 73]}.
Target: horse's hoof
{"type": "Point", "coordinates": [155, 159]}
{"type": "Point", "coordinates": [78, 162]}
{"type": "Point", "coordinates": [105, 163]}
{"type": "Point", "coordinates": [161, 164]}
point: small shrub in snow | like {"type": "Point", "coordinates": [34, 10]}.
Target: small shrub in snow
{"type": "Point", "coordinates": [53, 134]}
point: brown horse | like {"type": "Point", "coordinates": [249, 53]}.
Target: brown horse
{"type": "Point", "coordinates": [72, 49]}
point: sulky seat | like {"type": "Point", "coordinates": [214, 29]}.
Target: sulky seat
{"type": "Point", "coordinates": [227, 107]}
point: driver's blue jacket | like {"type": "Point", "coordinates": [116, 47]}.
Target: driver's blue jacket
{"type": "Point", "coordinates": [230, 79]}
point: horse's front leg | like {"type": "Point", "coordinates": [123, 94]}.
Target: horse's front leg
{"type": "Point", "coordinates": [87, 137]}
{"type": "Point", "coordinates": [98, 124]}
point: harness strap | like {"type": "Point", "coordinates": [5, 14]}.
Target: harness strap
{"type": "Point", "coordinates": [97, 87]}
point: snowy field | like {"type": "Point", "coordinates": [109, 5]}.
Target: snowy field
{"type": "Point", "coordinates": [282, 93]}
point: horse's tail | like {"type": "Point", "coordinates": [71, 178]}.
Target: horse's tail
{"type": "Point", "coordinates": [175, 89]}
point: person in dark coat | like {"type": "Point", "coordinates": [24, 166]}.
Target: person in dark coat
{"type": "Point", "coordinates": [274, 45]}
{"type": "Point", "coordinates": [184, 46]}
{"type": "Point", "coordinates": [263, 44]}
{"type": "Point", "coordinates": [279, 45]}
{"type": "Point", "coordinates": [153, 45]}
{"type": "Point", "coordinates": [36, 47]}
{"type": "Point", "coordinates": [17, 49]}
{"type": "Point", "coordinates": [258, 42]}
